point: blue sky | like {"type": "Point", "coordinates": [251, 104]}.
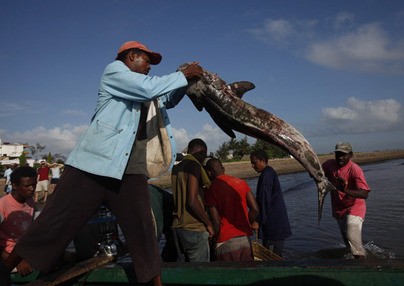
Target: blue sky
{"type": "Point", "coordinates": [332, 69]}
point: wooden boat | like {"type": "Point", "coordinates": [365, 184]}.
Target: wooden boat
{"type": "Point", "coordinates": [302, 272]}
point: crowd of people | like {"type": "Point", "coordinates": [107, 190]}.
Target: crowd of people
{"type": "Point", "coordinates": [130, 140]}
{"type": "Point", "coordinates": [48, 176]}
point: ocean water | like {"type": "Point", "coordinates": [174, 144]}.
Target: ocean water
{"type": "Point", "coordinates": [383, 228]}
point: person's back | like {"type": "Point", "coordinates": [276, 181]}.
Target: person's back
{"type": "Point", "coordinates": [229, 195]}
{"type": "Point", "coordinates": [191, 224]}
{"type": "Point", "coordinates": [233, 211]}
{"type": "Point", "coordinates": [179, 177]}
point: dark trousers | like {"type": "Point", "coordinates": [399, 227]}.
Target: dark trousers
{"type": "Point", "coordinates": [276, 246]}
{"type": "Point", "coordinates": [76, 198]}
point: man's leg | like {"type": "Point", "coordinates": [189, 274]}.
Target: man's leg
{"type": "Point", "coordinates": [4, 275]}
{"type": "Point", "coordinates": [195, 245]}
{"type": "Point", "coordinates": [235, 249]}
{"type": "Point", "coordinates": [131, 206]}
{"type": "Point", "coordinates": [45, 190]}
{"type": "Point", "coordinates": [343, 227]}
{"type": "Point", "coordinates": [36, 195]}
{"type": "Point", "coordinates": [354, 236]}
{"type": "Point", "coordinates": [276, 246]}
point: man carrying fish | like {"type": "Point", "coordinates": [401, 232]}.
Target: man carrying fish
{"type": "Point", "coordinates": [348, 201]}
{"type": "Point", "coordinates": [128, 141]}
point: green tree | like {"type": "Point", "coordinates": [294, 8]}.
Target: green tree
{"type": "Point", "coordinates": [242, 148]}
{"type": "Point", "coordinates": [223, 151]}
{"type": "Point", "coordinates": [233, 147]}
{"type": "Point", "coordinates": [272, 150]}
{"type": "Point", "coordinates": [22, 159]}
{"type": "Point", "coordinates": [49, 158]}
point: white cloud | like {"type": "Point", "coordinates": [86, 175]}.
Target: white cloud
{"type": "Point", "coordinates": [62, 139]}
{"type": "Point", "coordinates": [276, 30]}
{"type": "Point", "coordinates": [57, 139]}
{"type": "Point", "coordinates": [364, 116]}
{"type": "Point", "coordinates": [343, 19]}
{"type": "Point", "coordinates": [367, 48]}
{"type": "Point", "coordinates": [10, 108]}
{"type": "Point", "coordinates": [212, 135]}
{"type": "Point", "coordinates": [74, 112]}
{"type": "Point", "coordinates": [280, 31]}
{"type": "Point", "coordinates": [181, 139]}
{"type": "Point", "coordinates": [337, 44]}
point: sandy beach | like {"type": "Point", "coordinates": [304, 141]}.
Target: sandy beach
{"type": "Point", "coordinates": [242, 169]}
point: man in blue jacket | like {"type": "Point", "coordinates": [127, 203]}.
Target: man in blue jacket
{"type": "Point", "coordinates": [128, 141]}
{"type": "Point", "coordinates": [273, 219]}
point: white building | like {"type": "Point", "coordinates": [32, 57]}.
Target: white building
{"type": "Point", "coordinates": [10, 152]}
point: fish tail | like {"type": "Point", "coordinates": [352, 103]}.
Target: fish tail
{"type": "Point", "coordinates": [323, 188]}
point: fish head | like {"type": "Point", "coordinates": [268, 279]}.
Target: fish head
{"type": "Point", "coordinates": [211, 86]}
{"type": "Point", "coordinates": [197, 88]}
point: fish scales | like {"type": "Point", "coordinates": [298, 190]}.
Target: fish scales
{"type": "Point", "coordinates": [224, 104]}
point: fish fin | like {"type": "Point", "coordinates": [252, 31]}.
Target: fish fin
{"type": "Point", "coordinates": [241, 87]}
{"type": "Point", "coordinates": [224, 128]}
{"type": "Point", "coordinates": [197, 103]}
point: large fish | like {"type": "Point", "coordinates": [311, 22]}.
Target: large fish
{"type": "Point", "coordinates": [224, 104]}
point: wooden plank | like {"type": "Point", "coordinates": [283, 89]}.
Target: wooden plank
{"type": "Point", "coordinates": [78, 269]}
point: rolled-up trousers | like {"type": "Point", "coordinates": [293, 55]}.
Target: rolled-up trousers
{"type": "Point", "coordinates": [76, 198]}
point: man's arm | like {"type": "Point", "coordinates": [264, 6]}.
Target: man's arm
{"type": "Point", "coordinates": [359, 193]}
{"type": "Point", "coordinates": [356, 193]}
{"type": "Point", "coordinates": [195, 206]}
{"type": "Point", "coordinates": [253, 208]}
{"type": "Point", "coordinates": [214, 215]}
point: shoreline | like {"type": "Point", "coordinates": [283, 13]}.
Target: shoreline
{"type": "Point", "coordinates": [243, 169]}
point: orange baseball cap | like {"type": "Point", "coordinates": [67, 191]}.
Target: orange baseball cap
{"type": "Point", "coordinates": [155, 58]}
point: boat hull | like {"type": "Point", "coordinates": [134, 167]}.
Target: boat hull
{"type": "Point", "coordinates": [341, 272]}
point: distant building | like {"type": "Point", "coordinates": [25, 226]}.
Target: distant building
{"type": "Point", "coordinates": [10, 153]}
{"type": "Point", "coordinates": [11, 150]}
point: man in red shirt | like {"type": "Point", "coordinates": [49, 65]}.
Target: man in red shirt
{"type": "Point", "coordinates": [43, 181]}
{"type": "Point", "coordinates": [348, 201]}
{"type": "Point", "coordinates": [233, 211]}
